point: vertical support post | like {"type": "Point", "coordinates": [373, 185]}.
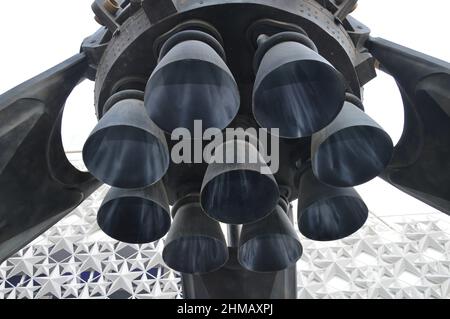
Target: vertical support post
{"type": "Point", "coordinates": [234, 233]}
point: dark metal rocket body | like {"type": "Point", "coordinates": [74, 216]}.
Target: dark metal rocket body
{"type": "Point", "coordinates": [38, 186]}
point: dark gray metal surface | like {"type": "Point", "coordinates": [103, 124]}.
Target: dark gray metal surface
{"type": "Point", "coordinates": [38, 185]}
{"type": "Point", "coordinates": [235, 282]}
{"type": "Point", "coordinates": [236, 191]}
{"type": "Point", "coordinates": [190, 78]}
{"type": "Point", "coordinates": [270, 244]}
{"type": "Point", "coordinates": [328, 213]}
{"type": "Point", "coordinates": [195, 243]}
{"type": "Point", "coordinates": [137, 37]}
{"type": "Point", "coordinates": [130, 54]}
{"type": "Point", "coordinates": [135, 216]}
{"type": "Point", "coordinates": [421, 163]}
{"type": "Point", "coordinates": [296, 90]}
{"type": "Point", "coordinates": [352, 150]}
{"type": "Point", "coordinates": [126, 149]}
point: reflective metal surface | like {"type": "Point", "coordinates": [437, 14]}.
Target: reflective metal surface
{"type": "Point", "coordinates": [327, 213]}
{"type": "Point", "coordinates": [269, 245]}
{"type": "Point", "coordinates": [192, 82]}
{"type": "Point", "coordinates": [237, 192]}
{"type": "Point", "coordinates": [195, 243]}
{"type": "Point", "coordinates": [135, 216]}
{"type": "Point", "coordinates": [352, 150]}
{"type": "Point", "coordinates": [126, 149]}
{"type": "Point", "coordinates": [296, 90]}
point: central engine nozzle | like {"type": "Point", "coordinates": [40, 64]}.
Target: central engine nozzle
{"type": "Point", "coordinates": [235, 189]}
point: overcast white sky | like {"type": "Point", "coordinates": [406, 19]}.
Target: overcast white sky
{"type": "Point", "coordinates": [36, 35]}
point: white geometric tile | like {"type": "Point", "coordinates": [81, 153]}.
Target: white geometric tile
{"type": "Point", "coordinates": [390, 257]}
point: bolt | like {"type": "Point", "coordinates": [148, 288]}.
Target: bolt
{"type": "Point", "coordinates": [111, 6]}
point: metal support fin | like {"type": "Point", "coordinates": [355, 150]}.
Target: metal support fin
{"type": "Point", "coordinates": [38, 185]}
{"type": "Point", "coordinates": [421, 161]}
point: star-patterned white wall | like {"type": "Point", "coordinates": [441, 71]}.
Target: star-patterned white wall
{"type": "Point", "coordinates": [405, 256]}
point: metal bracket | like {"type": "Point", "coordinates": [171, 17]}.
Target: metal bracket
{"type": "Point", "coordinates": [365, 63]}
{"type": "Point", "coordinates": [340, 8]}
{"type": "Point", "coordinates": [270, 27]}
{"type": "Point", "coordinates": [344, 8]}
{"type": "Point", "coordinates": [94, 46]}
{"type": "Point", "coordinates": [106, 12]}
